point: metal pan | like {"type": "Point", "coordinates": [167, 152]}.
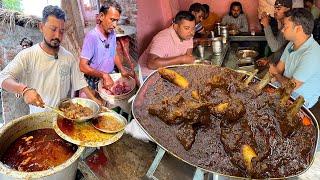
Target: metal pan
{"type": "Point", "coordinates": [83, 102]}
{"type": "Point", "coordinates": [164, 135]}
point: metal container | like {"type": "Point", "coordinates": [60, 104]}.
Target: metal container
{"type": "Point", "coordinates": [118, 100]}
{"type": "Point", "coordinates": [201, 61]}
{"type": "Point", "coordinates": [85, 103]}
{"type": "Point", "coordinates": [201, 51]}
{"type": "Point", "coordinates": [23, 125]}
{"type": "Point", "coordinates": [246, 53]}
{"type": "Point", "coordinates": [217, 29]}
{"type": "Point", "coordinates": [246, 56]}
{"type": "Point", "coordinates": [224, 34]}
{"type": "Point", "coordinates": [217, 45]}
{"type": "Point", "coordinates": [212, 34]}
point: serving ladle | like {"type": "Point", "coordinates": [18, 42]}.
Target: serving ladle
{"type": "Point", "coordinates": [61, 113]}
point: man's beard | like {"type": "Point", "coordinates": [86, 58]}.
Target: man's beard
{"type": "Point", "coordinates": [235, 16]}
{"type": "Point", "coordinates": [54, 43]}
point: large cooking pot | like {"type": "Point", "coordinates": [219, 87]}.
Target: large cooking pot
{"type": "Point", "coordinates": [23, 125]}
{"type": "Point", "coordinates": [204, 149]}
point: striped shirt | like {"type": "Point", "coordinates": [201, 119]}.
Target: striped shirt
{"type": "Point", "coordinates": [241, 22]}
{"type": "Point", "coordinates": [198, 28]}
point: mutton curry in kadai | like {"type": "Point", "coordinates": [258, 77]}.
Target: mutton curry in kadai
{"type": "Point", "coordinates": [226, 124]}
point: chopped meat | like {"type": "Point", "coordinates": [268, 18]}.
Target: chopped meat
{"type": "Point", "coordinates": [186, 135]}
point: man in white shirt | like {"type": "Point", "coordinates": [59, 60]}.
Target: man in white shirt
{"type": "Point", "coordinates": [46, 72]}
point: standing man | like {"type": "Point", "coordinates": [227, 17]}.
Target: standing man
{"type": "Point", "coordinates": [46, 72]}
{"type": "Point", "coordinates": [276, 41]}
{"type": "Point", "coordinates": [299, 62]}
{"type": "Point", "coordinates": [170, 46]}
{"type": "Point", "coordinates": [236, 18]}
{"type": "Point", "coordinates": [98, 55]}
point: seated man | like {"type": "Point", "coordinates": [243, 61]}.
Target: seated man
{"type": "Point", "coordinates": [315, 11]}
{"type": "Point", "coordinates": [210, 18]}
{"type": "Point", "coordinates": [299, 62]}
{"type": "Point", "coordinates": [236, 19]}
{"type": "Point", "coordinates": [170, 46]}
{"type": "Point", "coordinates": [198, 11]}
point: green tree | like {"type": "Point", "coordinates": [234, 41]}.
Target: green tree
{"type": "Point", "coordinates": [12, 4]}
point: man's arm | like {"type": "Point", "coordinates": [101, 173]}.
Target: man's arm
{"type": "Point", "coordinates": [274, 42]}
{"type": "Point", "coordinates": [284, 80]}
{"type": "Point", "coordinates": [8, 82]}
{"type": "Point", "coordinates": [277, 72]}
{"type": "Point", "coordinates": [124, 72]}
{"type": "Point", "coordinates": [91, 95]}
{"type": "Point", "coordinates": [86, 69]}
{"type": "Point", "coordinates": [189, 51]}
{"type": "Point", "coordinates": [244, 26]}
{"type": "Point", "coordinates": [155, 62]}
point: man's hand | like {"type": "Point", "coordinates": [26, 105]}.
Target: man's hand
{"type": "Point", "coordinates": [32, 97]}
{"type": "Point", "coordinates": [99, 101]}
{"type": "Point", "coordinates": [265, 19]}
{"type": "Point", "coordinates": [233, 27]}
{"type": "Point", "coordinates": [273, 70]}
{"type": "Point", "coordinates": [262, 62]}
{"type": "Point", "coordinates": [188, 59]}
{"type": "Point", "coordinates": [126, 73]}
{"type": "Point", "coordinates": [107, 81]}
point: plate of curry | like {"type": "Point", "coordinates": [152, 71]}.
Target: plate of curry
{"type": "Point", "coordinates": [85, 134]}
{"type": "Point", "coordinates": [109, 122]}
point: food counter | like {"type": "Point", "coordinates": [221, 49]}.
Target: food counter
{"type": "Point", "coordinates": [246, 36]}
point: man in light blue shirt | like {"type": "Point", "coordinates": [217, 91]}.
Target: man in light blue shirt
{"type": "Point", "coordinates": [300, 61]}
